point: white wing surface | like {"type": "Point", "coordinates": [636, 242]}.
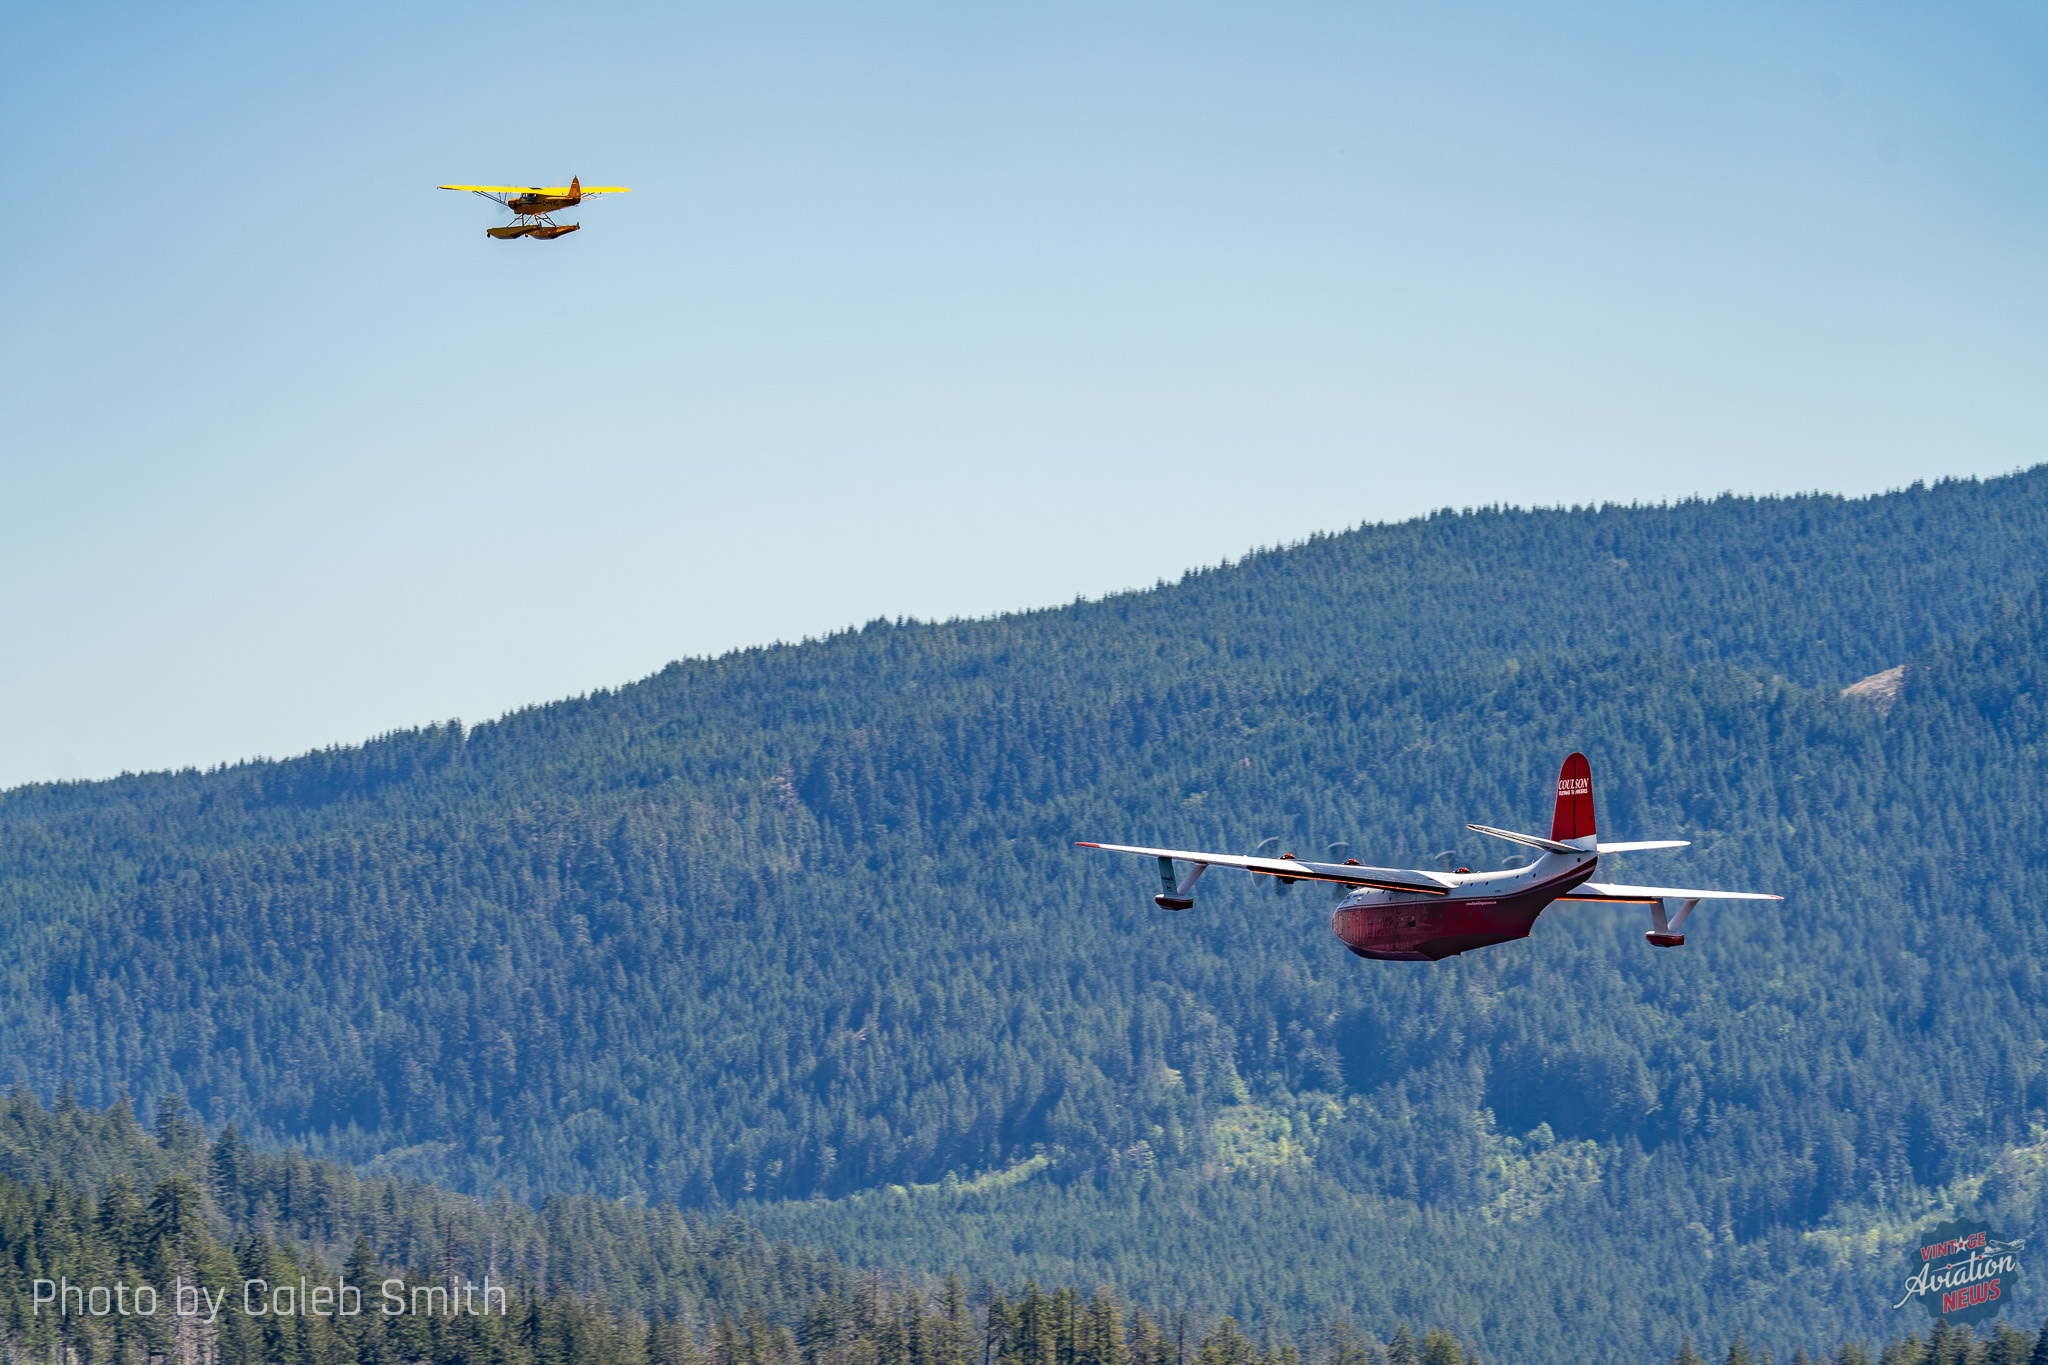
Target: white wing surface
{"type": "Point", "coordinates": [1343, 874]}
{"type": "Point", "coordinates": [1610, 891]}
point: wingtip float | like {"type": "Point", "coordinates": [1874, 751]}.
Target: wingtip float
{"type": "Point", "coordinates": [531, 206]}
{"type": "Point", "coordinates": [1409, 915]}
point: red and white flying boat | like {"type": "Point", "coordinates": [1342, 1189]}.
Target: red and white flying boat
{"type": "Point", "coordinates": [1406, 915]}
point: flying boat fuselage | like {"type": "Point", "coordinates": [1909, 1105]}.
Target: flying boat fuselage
{"type": "Point", "coordinates": [1486, 908]}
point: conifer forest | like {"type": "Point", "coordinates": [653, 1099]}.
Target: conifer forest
{"type": "Point", "coordinates": [763, 1010]}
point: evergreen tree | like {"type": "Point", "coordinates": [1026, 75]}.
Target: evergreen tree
{"type": "Point", "coordinates": [1225, 1345]}
{"type": "Point", "coordinates": [177, 1215]}
{"type": "Point", "coordinates": [2007, 1346]}
{"type": "Point", "coordinates": [1149, 1344]}
{"type": "Point", "coordinates": [123, 1221]}
{"type": "Point", "coordinates": [175, 1130]}
{"type": "Point", "coordinates": [953, 1333]}
{"type": "Point", "coordinates": [1105, 1338]}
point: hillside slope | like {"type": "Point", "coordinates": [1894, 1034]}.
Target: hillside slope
{"type": "Point", "coordinates": [802, 922]}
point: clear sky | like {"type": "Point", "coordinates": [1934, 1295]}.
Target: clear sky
{"type": "Point", "coordinates": [926, 310]}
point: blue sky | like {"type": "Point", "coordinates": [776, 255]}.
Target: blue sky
{"type": "Point", "coordinates": [926, 310]}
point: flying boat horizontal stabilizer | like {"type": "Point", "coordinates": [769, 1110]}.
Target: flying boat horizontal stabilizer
{"type": "Point", "coordinates": [1527, 840]}
{"type": "Point", "coordinates": [1558, 846]}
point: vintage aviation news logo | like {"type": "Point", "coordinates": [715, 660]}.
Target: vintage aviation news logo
{"type": "Point", "coordinates": [1961, 1272]}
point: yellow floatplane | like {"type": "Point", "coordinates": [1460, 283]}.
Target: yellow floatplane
{"type": "Point", "coordinates": [531, 206]}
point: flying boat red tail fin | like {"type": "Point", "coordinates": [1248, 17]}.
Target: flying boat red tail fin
{"type": "Point", "coordinates": [1574, 816]}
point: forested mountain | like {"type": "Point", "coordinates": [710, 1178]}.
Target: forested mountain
{"type": "Point", "coordinates": [790, 927]}
{"type": "Point", "coordinates": [92, 1207]}
{"type": "Point", "coordinates": [662, 1263]}
{"type": "Point", "coordinates": [89, 1203]}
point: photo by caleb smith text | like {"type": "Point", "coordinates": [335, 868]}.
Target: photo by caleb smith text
{"type": "Point", "coordinates": [260, 1298]}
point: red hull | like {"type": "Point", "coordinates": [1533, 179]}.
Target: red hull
{"type": "Point", "coordinates": [1431, 930]}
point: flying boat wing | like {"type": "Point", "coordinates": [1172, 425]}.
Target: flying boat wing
{"type": "Point", "coordinates": [1613, 892]}
{"type": "Point", "coordinates": [1342, 874]}
{"type": "Point", "coordinates": [552, 191]}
